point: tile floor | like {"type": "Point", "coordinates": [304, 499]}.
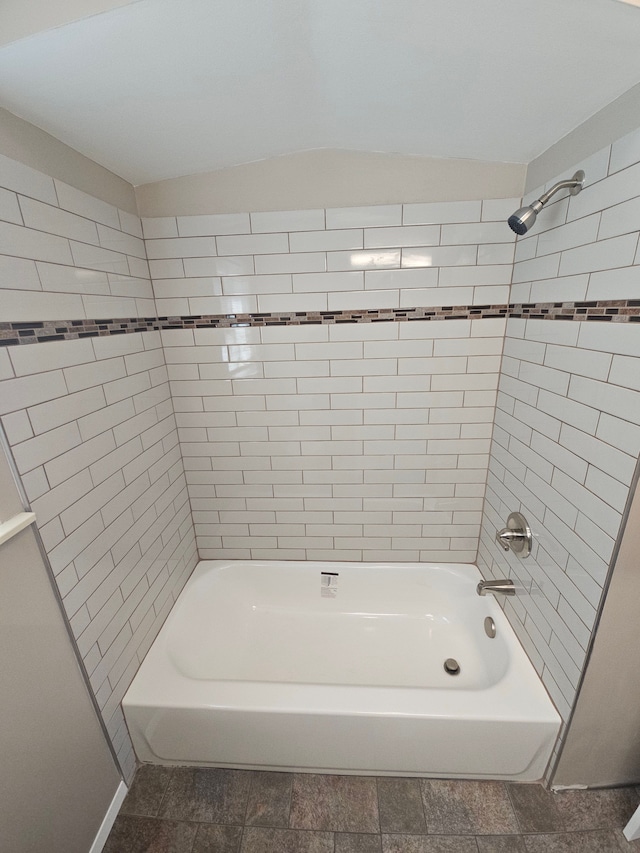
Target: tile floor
{"type": "Point", "coordinates": [187, 810]}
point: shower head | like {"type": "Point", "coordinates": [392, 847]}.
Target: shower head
{"type": "Point", "coordinates": [522, 220]}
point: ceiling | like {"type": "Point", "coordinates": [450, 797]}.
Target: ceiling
{"type": "Point", "coordinates": [161, 88]}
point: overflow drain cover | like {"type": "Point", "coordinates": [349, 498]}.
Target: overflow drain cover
{"type": "Point", "coordinates": [451, 666]}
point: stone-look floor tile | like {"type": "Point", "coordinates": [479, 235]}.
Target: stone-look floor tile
{"type": "Point", "coordinates": [400, 805]}
{"type": "Point", "coordinates": [212, 838]}
{"type": "Point", "coordinates": [501, 844]}
{"type": "Point", "coordinates": [357, 842]}
{"type": "Point", "coordinates": [600, 841]}
{"type": "Point", "coordinates": [535, 808]}
{"type": "Point", "coordinates": [207, 795]}
{"type": "Point", "coordinates": [600, 809]}
{"type": "Point", "coordinates": [269, 799]}
{"type": "Point", "coordinates": [131, 834]}
{"type": "Point", "coordinates": [457, 807]}
{"type": "Point", "coordinates": [146, 792]}
{"type": "Point", "coordinates": [428, 844]}
{"type": "Point", "coordinates": [626, 846]}
{"type": "Point", "coordinates": [257, 839]}
{"type": "Point", "coordinates": [334, 803]}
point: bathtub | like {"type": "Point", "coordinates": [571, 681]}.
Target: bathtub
{"type": "Point", "coordinates": [340, 668]}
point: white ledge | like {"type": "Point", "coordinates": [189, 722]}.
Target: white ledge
{"type": "Point", "coordinates": [8, 529]}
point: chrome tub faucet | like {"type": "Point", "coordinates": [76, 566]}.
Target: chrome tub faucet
{"type": "Point", "coordinates": [504, 586]}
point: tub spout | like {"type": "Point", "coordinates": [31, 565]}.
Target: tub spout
{"type": "Point", "coordinates": [504, 586]}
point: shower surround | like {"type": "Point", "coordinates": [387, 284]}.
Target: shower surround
{"type": "Point", "coordinates": [321, 413]}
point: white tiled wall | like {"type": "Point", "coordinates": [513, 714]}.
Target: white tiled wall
{"type": "Point", "coordinates": [348, 441]}
{"type": "Point", "coordinates": [567, 428]}
{"type": "Point", "coordinates": [387, 256]}
{"type": "Point", "coordinates": [65, 255]}
{"type": "Point", "coordinates": [92, 429]}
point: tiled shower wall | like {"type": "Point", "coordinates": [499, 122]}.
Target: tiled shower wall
{"type": "Point", "coordinates": [91, 427]}
{"type": "Point", "coordinates": [567, 432]}
{"type": "Point", "coordinates": [354, 440]}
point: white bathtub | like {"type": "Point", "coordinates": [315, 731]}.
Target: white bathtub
{"type": "Point", "coordinates": [277, 665]}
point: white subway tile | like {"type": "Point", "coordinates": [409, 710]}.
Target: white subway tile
{"type": "Point", "coordinates": [227, 266]}
{"type": "Point", "coordinates": [571, 288]}
{"type": "Point", "coordinates": [363, 259]}
{"type": "Point", "coordinates": [160, 226]}
{"type": "Point", "coordinates": [433, 213]}
{"type": "Point", "coordinates": [167, 269]}
{"type": "Point", "coordinates": [364, 217]}
{"type": "Point", "coordinates": [326, 241]}
{"type": "Point", "coordinates": [625, 151]}
{"type": "Point", "coordinates": [499, 209]}
{"type": "Point", "coordinates": [62, 410]}
{"type": "Point", "coordinates": [616, 188]}
{"type": "Point", "coordinates": [293, 302]}
{"type": "Point", "coordinates": [130, 223]}
{"type": "Point", "coordinates": [76, 201]}
{"type": "Point", "coordinates": [222, 304]}
{"type": "Point", "coordinates": [465, 276]}
{"type": "Point", "coordinates": [45, 217]}
{"type": "Point", "coordinates": [181, 247]}
{"type": "Point", "coordinates": [73, 461]}
{"type": "Point", "coordinates": [617, 401]}
{"type": "Point", "coordinates": [569, 411]}
{"type": "Point", "coordinates": [329, 281]}
{"type": "Point", "coordinates": [400, 278]}
{"type": "Point", "coordinates": [436, 296]}
{"type": "Point", "coordinates": [496, 253]}
{"type": "Point", "coordinates": [253, 244]}
{"type": "Point", "coordinates": [605, 254]}
{"type": "Point", "coordinates": [120, 241]}
{"type": "Point", "coordinates": [27, 181]}
{"type": "Point", "coordinates": [408, 235]}
{"type": "Point", "coordinates": [95, 257]}
{"type": "Point", "coordinates": [9, 208]}
{"type": "Point", "coordinates": [22, 242]}
{"type": "Point", "coordinates": [622, 338]}
{"type": "Point", "coordinates": [287, 220]}
{"type": "Point", "coordinates": [619, 433]}
{"type": "Point", "coordinates": [365, 299]}
{"type": "Point", "coordinates": [35, 451]}
{"type": "Point", "coordinates": [18, 274]}
{"type": "Point", "coordinates": [611, 491]}
{"type": "Point", "coordinates": [594, 450]}
{"type": "Point", "coordinates": [252, 284]}
{"type": "Point", "coordinates": [439, 256]}
{"type": "Point", "coordinates": [212, 225]}
{"type": "Point", "coordinates": [281, 263]}
{"type": "Point", "coordinates": [478, 232]}
{"type": "Point", "coordinates": [537, 268]}
{"type": "Point", "coordinates": [569, 235]}
{"type": "Point", "coordinates": [55, 277]}
{"type": "Point", "coordinates": [625, 371]}
{"type": "Point", "coordinates": [563, 334]}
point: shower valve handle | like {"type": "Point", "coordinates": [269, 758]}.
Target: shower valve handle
{"type": "Point", "coordinates": [516, 536]}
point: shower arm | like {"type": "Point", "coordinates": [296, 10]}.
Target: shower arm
{"type": "Point", "coordinates": [574, 184]}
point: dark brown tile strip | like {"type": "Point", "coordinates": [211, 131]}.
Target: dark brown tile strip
{"type": "Point", "coordinates": [41, 331]}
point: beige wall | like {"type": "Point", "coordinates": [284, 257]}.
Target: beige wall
{"type": "Point", "coordinates": [610, 123]}
{"type": "Point", "coordinates": [330, 178]}
{"type": "Point", "coordinates": [25, 142]}
{"type": "Point", "coordinates": [58, 776]}
{"type": "Point", "coordinates": [602, 747]}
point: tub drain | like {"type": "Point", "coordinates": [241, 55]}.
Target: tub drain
{"type": "Point", "coordinates": [451, 666]}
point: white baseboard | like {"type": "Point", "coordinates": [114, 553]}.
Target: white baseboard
{"type": "Point", "coordinates": [112, 813]}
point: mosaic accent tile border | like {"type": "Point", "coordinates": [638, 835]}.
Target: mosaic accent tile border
{"type": "Point", "coordinates": [615, 310]}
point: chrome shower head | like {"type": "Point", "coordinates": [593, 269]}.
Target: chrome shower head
{"type": "Point", "coordinates": [522, 220]}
